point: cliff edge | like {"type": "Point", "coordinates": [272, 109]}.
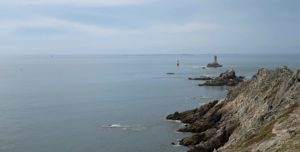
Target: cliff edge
{"type": "Point", "coordinates": [260, 114]}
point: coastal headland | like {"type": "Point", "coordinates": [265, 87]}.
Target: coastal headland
{"type": "Point", "coordinates": [259, 114]}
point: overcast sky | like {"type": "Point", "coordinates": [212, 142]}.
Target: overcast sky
{"type": "Point", "coordinates": [149, 26]}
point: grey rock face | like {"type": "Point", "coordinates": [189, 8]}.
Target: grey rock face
{"type": "Point", "coordinates": [226, 78]}
{"type": "Point", "coordinates": [260, 114]}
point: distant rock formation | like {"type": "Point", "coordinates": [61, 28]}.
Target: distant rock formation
{"type": "Point", "coordinates": [201, 78]}
{"type": "Point", "coordinates": [226, 78]}
{"type": "Point", "coordinates": [261, 114]}
{"type": "Point", "coordinates": [214, 64]}
{"type": "Point", "coordinates": [170, 73]}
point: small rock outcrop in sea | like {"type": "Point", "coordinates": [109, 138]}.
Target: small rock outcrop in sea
{"type": "Point", "coordinates": [226, 78]}
{"type": "Point", "coordinates": [214, 64]}
{"type": "Point", "coordinates": [260, 114]}
{"type": "Point", "coordinates": [170, 73]}
{"type": "Point", "coordinates": [201, 78]}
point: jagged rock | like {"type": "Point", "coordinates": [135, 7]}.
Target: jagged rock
{"type": "Point", "coordinates": [260, 114]}
{"type": "Point", "coordinates": [191, 116]}
{"type": "Point", "coordinates": [226, 78]}
{"type": "Point", "coordinates": [229, 74]}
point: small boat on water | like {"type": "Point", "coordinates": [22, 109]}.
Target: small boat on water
{"type": "Point", "coordinates": [177, 62]}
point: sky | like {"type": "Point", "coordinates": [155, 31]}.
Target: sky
{"type": "Point", "coordinates": [149, 26]}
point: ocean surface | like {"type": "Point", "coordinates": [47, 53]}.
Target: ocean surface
{"type": "Point", "coordinates": [107, 103]}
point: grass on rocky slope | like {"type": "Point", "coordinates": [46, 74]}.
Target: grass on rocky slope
{"type": "Point", "coordinates": [265, 132]}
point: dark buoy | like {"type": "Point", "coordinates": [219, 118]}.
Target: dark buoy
{"type": "Point", "coordinates": [177, 62]}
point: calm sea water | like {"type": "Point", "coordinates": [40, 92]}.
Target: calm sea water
{"type": "Point", "coordinates": [107, 103]}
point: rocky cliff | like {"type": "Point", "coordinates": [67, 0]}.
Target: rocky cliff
{"type": "Point", "coordinates": [260, 114]}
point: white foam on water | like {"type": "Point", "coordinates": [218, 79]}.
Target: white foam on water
{"type": "Point", "coordinates": [177, 143]}
{"type": "Point", "coordinates": [178, 121]}
{"type": "Point", "coordinates": [115, 126]}
{"type": "Point", "coordinates": [199, 97]}
{"type": "Point", "coordinates": [125, 127]}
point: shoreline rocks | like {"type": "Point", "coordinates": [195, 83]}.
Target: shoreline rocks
{"type": "Point", "coordinates": [227, 78]}
{"type": "Point", "coordinates": [260, 114]}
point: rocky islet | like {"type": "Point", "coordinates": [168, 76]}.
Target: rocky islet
{"type": "Point", "coordinates": [227, 78]}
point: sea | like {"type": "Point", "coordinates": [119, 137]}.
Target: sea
{"type": "Point", "coordinates": [109, 103]}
